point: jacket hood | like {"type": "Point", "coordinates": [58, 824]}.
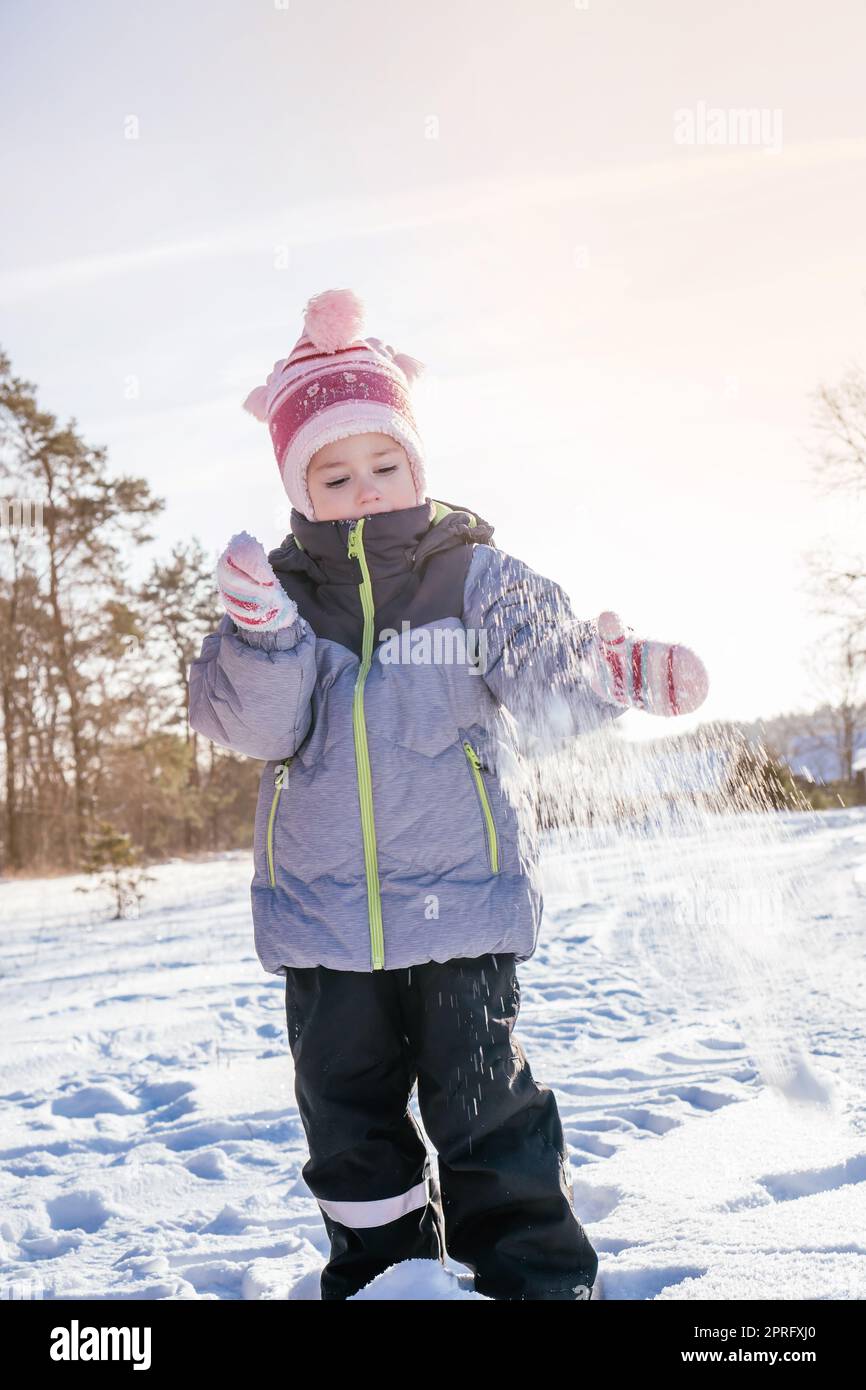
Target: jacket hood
{"type": "Point", "coordinates": [416, 557]}
{"type": "Point", "coordinates": [394, 542]}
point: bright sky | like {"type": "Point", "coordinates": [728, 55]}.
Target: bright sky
{"type": "Point", "coordinates": [621, 328]}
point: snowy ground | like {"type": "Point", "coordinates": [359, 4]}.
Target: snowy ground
{"type": "Point", "coordinates": [708, 1053]}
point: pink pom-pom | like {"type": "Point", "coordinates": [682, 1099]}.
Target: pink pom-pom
{"type": "Point", "coordinates": [275, 370]}
{"type": "Point", "coordinates": [409, 366]}
{"type": "Point", "coordinates": [333, 319]}
{"type": "Point", "coordinates": [257, 402]}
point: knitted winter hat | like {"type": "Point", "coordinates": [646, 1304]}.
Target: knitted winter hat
{"type": "Point", "coordinates": [335, 383]}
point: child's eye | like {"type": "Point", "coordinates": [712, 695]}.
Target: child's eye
{"type": "Point", "coordinates": [337, 482]}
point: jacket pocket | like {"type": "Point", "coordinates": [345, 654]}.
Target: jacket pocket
{"type": "Point", "coordinates": [473, 761]}
{"type": "Point", "coordinates": [281, 781]}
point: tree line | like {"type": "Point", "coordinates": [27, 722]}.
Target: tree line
{"type": "Point", "coordinates": [94, 667]}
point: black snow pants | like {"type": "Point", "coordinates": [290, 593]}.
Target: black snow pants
{"type": "Point", "coordinates": [503, 1201]}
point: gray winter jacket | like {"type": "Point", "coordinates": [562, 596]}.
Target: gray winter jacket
{"type": "Point", "coordinates": [394, 822]}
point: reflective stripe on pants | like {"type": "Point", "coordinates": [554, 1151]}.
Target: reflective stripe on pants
{"type": "Point", "coordinates": [360, 1215]}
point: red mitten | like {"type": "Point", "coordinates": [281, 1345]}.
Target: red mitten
{"type": "Point", "coordinates": [652, 676]}
{"type": "Point", "coordinates": [250, 591]}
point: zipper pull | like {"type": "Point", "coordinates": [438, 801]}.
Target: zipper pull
{"type": "Point", "coordinates": [281, 775]}
{"type": "Point", "coordinates": [354, 535]}
{"type": "Point", "coordinates": [471, 754]}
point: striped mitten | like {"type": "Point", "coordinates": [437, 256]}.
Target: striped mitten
{"type": "Point", "coordinates": [652, 676]}
{"type": "Point", "coordinates": [252, 595]}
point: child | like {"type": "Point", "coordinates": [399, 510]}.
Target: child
{"type": "Point", "coordinates": [386, 662]}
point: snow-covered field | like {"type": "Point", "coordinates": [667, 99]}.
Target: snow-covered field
{"type": "Point", "coordinates": [705, 1037]}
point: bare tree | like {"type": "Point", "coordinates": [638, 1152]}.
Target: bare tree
{"type": "Point", "coordinates": [840, 425]}
{"type": "Point", "coordinates": [839, 678]}
{"type": "Point", "coordinates": [836, 581]}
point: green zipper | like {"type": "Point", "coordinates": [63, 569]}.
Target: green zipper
{"type": "Point", "coordinates": [490, 824]}
{"type": "Point", "coordinates": [362, 756]}
{"type": "Point", "coordinates": [281, 779]}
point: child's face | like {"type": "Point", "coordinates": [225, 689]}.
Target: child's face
{"type": "Point", "coordinates": [360, 475]}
